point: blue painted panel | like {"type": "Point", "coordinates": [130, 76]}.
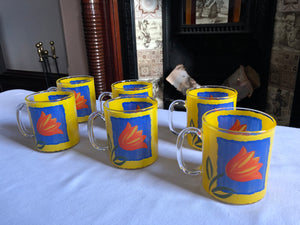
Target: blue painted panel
{"type": "Point", "coordinates": [84, 91]}
{"type": "Point", "coordinates": [56, 112]}
{"type": "Point", "coordinates": [143, 124]}
{"type": "Point", "coordinates": [203, 108]}
{"type": "Point", "coordinates": [228, 149]}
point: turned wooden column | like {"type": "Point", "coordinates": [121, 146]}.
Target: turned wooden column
{"type": "Point", "coordinates": [94, 31]}
{"type": "Point", "coordinates": [101, 30]}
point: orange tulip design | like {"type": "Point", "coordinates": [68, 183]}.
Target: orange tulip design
{"type": "Point", "coordinates": [238, 127]}
{"type": "Point", "coordinates": [131, 139]}
{"type": "Point", "coordinates": [47, 126]}
{"type": "Point", "coordinates": [80, 101]}
{"type": "Point", "coordinates": [243, 167]}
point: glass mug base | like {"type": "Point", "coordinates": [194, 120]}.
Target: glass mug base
{"type": "Point", "coordinates": [54, 148]}
{"type": "Point", "coordinates": [132, 165]}
{"type": "Point", "coordinates": [236, 199]}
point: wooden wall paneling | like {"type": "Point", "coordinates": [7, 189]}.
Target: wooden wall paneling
{"type": "Point", "coordinates": [115, 39]}
{"type": "Point", "coordinates": [28, 80]}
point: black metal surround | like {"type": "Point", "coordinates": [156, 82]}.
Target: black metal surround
{"type": "Point", "coordinates": [243, 26]}
{"type": "Point", "coordinates": [128, 39]}
{"type": "Point", "coordinates": [28, 80]}
{"type": "Point", "coordinates": [295, 115]}
{"type": "Point", "coordinates": [211, 54]}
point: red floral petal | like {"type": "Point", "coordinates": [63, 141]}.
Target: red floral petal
{"type": "Point", "coordinates": [47, 126]}
{"type": "Point", "coordinates": [131, 139]}
{"type": "Point", "coordinates": [243, 167]}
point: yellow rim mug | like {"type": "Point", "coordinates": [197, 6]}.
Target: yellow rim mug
{"type": "Point", "coordinates": [53, 120]}
{"type": "Point", "coordinates": [84, 88]}
{"type": "Point", "coordinates": [131, 126]}
{"type": "Point", "coordinates": [237, 146]}
{"type": "Point", "coordinates": [127, 87]}
{"type": "Point", "coordinates": [198, 101]}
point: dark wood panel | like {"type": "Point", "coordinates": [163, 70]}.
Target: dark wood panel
{"type": "Point", "coordinates": [28, 80]}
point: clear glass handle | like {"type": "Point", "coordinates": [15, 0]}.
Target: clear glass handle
{"type": "Point", "coordinates": [171, 110]}
{"type": "Point", "coordinates": [91, 134]}
{"type": "Point", "coordinates": [22, 128]}
{"type": "Point", "coordinates": [101, 97]}
{"type": "Point", "coordinates": [179, 144]}
{"type": "Point", "coordinates": [52, 89]}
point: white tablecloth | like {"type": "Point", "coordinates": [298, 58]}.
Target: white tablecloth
{"type": "Point", "coordinates": [80, 186]}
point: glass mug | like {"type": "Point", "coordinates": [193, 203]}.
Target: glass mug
{"type": "Point", "coordinates": [200, 100]}
{"type": "Point", "coordinates": [237, 146]}
{"type": "Point", "coordinates": [131, 126]}
{"type": "Point", "coordinates": [84, 88]}
{"type": "Point", "coordinates": [53, 120]}
{"type": "Point", "coordinates": [127, 87]}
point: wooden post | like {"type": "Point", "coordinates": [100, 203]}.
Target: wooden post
{"type": "Point", "coordinates": [102, 38]}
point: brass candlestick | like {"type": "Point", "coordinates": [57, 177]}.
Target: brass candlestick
{"type": "Point", "coordinates": [54, 55]}
{"type": "Point", "coordinates": [42, 61]}
{"type": "Point", "coordinates": [44, 56]}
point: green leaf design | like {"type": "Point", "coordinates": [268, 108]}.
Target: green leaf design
{"type": "Point", "coordinates": [109, 142]}
{"type": "Point", "coordinates": [192, 123]}
{"type": "Point", "coordinates": [209, 168]}
{"type": "Point", "coordinates": [40, 145]}
{"type": "Point", "coordinates": [112, 154]}
{"type": "Point", "coordinates": [214, 179]}
{"type": "Point", "coordinates": [225, 195]}
{"type": "Point", "coordinates": [195, 139]}
{"type": "Point", "coordinates": [210, 173]}
{"type": "Point", "coordinates": [197, 142]}
{"type": "Point", "coordinates": [119, 160]}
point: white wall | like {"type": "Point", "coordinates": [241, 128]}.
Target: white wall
{"type": "Point", "coordinates": [23, 23]}
{"type": "Point", "coordinates": [74, 37]}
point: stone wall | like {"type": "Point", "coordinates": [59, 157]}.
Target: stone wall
{"type": "Point", "coordinates": [284, 61]}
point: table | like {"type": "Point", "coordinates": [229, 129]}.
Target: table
{"type": "Point", "coordinates": [80, 186]}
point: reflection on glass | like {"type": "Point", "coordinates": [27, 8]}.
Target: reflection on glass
{"type": "Point", "coordinates": [212, 11]}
